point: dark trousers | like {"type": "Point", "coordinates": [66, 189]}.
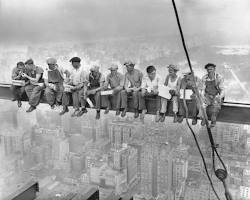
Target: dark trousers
{"type": "Point", "coordinates": [135, 99]}
{"type": "Point", "coordinates": [17, 91]}
{"type": "Point", "coordinates": [53, 96]}
{"type": "Point", "coordinates": [34, 93]}
{"type": "Point", "coordinates": [96, 98]}
{"type": "Point", "coordinates": [112, 101]}
{"type": "Point", "coordinates": [194, 111]}
{"type": "Point", "coordinates": [77, 100]}
{"type": "Point", "coordinates": [142, 103]}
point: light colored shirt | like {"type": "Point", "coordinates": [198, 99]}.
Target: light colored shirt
{"type": "Point", "coordinates": [219, 82]}
{"type": "Point", "coordinates": [78, 76]}
{"type": "Point", "coordinates": [150, 85]}
{"type": "Point", "coordinates": [114, 80]}
{"type": "Point", "coordinates": [133, 79]}
{"type": "Point", "coordinates": [174, 85]}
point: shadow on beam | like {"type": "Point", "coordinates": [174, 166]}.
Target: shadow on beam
{"type": "Point", "coordinates": [230, 112]}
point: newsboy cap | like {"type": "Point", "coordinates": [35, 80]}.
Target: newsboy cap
{"type": "Point", "coordinates": [29, 62]}
{"type": "Point", "coordinates": [75, 59]}
{"type": "Point", "coordinates": [174, 67]}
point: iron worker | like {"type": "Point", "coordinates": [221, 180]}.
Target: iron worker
{"type": "Point", "coordinates": [17, 90]}
{"type": "Point", "coordinates": [173, 82]}
{"type": "Point", "coordinates": [114, 81]}
{"type": "Point", "coordinates": [188, 82]}
{"type": "Point", "coordinates": [213, 91]}
{"type": "Point", "coordinates": [54, 83]}
{"type": "Point", "coordinates": [36, 84]}
{"type": "Point", "coordinates": [149, 88]}
{"type": "Point", "coordinates": [132, 85]}
{"type": "Point", "coordinates": [77, 82]}
{"type": "Point", "coordinates": [96, 83]}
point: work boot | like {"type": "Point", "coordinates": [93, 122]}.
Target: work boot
{"type": "Point", "coordinates": [194, 121]}
{"type": "Point", "coordinates": [106, 111]}
{"type": "Point", "coordinates": [75, 113]}
{"type": "Point", "coordinates": [124, 112]}
{"type": "Point", "coordinates": [162, 119]}
{"type": "Point", "coordinates": [157, 116]}
{"type": "Point", "coordinates": [142, 115]}
{"type": "Point", "coordinates": [98, 114]}
{"type": "Point", "coordinates": [117, 112]}
{"type": "Point", "coordinates": [180, 119]}
{"type": "Point", "coordinates": [81, 112]}
{"type": "Point", "coordinates": [31, 108]}
{"type": "Point", "coordinates": [136, 115]}
{"type": "Point", "coordinates": [203, 122]}
{"type": "Point", "coordinates": [65, 109]}
{"type": "Point", "coordinates": [19, 104]}
{"type": "Point", "coordinates": [175, 118]}
{"type": "Point", "coordinates": [52, 106]}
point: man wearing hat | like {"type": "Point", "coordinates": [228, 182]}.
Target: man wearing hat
{"type": "Point", "coordinates": [114, 81]}
{"type": "Point", "coordinates": [54, 83]}
{"type": "Point", "coordinates": [213, 91]}
{"type": "Point", "coordinates": [78, 82]}
{"type": "Point", "coordinates": [36, 84]}
{"type": "Point", "coordinates": [16, 90]}
{"type": "Point", "coordinates": [149, 88]}
{"type": "Point", "coordinates": [188, 82]}
{"type": "Point", "coordinates": [173, 82]}
{"type": "Point", "coordinates": [96, 83]}
{"type": "Point", "coordinates": [132, 85]}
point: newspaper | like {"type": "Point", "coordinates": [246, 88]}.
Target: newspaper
{"type": "Point", "coordinates": [107, 92]}
{"type": "Point", "coordinates": [164, 91]}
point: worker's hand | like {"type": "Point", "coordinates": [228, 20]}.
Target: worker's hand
{"type": "Point", "coordinates": [135, 89]}
{"type": "Point", "coordinates": [24, 75]}
{"type": "Point", "coordinates": [129, 90]}
{"type": "Point", "coordinates": [172, 92]}
{"type": "Point", "coordinates": [115, 90]}
{"type": "Point", "coordinates": [40, 84]}
{"type": "Point", "coordinates": [155, 91]}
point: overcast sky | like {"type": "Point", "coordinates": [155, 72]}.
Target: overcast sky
{"type": "Point", "coordinates": [58, 20]}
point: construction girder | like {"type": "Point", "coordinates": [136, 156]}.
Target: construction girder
{"type": "Point", "coordinates": [231, 112]}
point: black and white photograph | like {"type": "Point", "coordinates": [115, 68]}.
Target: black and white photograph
{"type": "Point", "coordinates": [124, 100]}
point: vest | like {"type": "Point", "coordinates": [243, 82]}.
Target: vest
{"type": "Point", "coordinates": [94, 82]}
{"type": "Point", "coordinates": [55, 76]}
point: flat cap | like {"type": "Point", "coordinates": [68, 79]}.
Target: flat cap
{"type": "Point", "coordinates": [174, 67]}
{"type": "Point", "coordinates": [51, 61]}
{"type": "Point", "coordinates": [210, 65]}
{"type": "Point", "coordinates": [20, 64]}
{"type": "Point", "coordinates": [29, 62]}
{"type": "Point", "coordinates": [75, 59]}
{"type": "Point", "coordinates": [95, 68]}
{"type": "Point", "coordinates": [113, 67]}
{"type": "Point", "coordinates": [129, 63]}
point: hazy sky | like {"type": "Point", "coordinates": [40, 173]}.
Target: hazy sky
{"type": "Point", "coordinates": [58, 20]}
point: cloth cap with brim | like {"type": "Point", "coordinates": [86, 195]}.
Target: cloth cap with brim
{"type": "Point", "coordinates": [51, 61]}
{"type": "Point", "coordinates": [94, 68]}
{"type": "Point", "coordinates": [129, 63]}
{"type": "Point", "coordinates": [113, 67]}
{"type": "Point", "coordinates": [75, 59]}
{"type": "Point", "coordinates": [210, 65]}
{"type": "Point", "coordinates": [29, 62]}
{"type": "Point", "coordinates": [174, 67]}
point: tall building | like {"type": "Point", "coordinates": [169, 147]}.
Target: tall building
{"type": "Point", "coordinates": [132, 165]}
{"type": "Point", "coordinates": [164, 176]}
{"type": "Point", "coordinates": [180, 169]}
